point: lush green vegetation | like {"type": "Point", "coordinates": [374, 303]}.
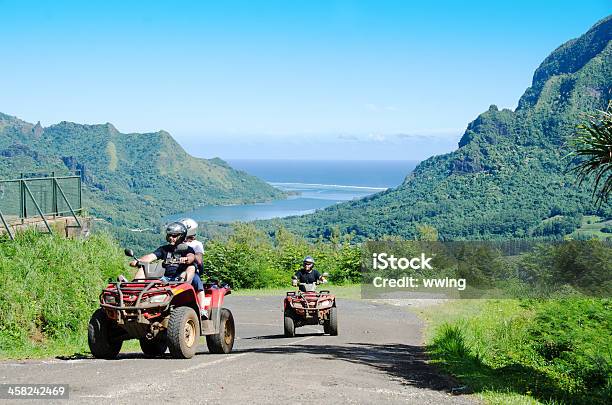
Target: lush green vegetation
{"type": "Point", "coordinates": [345, 291]}
{"type": "Point", "coordinates": [509, 178]}
{"type": "Point", "coordinates": [552, 350]}
{"type": "Point", "coordinates": [592, 226]}
{"type": "Point", "coordinates": [518, 351]}
{"type": "Point", "coordinates": [250, 258]}
{"type": "Point", "coordinates": [50, 287]}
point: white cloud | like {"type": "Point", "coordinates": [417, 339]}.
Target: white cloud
{"type": "Point", "coordinates": [434, 133]}
{"type": "Point", "coordinates": [377, 137]}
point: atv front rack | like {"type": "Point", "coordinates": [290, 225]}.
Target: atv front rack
{"type": "Point", "coordinates": [309, 311]}
{"type": "Point", "coordinates": [122, 288]}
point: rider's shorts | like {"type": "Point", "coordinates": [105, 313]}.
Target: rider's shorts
{"type": "Point", "coordinates": [197, 283]}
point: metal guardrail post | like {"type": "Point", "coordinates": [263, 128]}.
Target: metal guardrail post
{"type": "Point", "coordinates": [80, 192]}
{"type": "Point", "coordinates": [37, 206]}
{"type": "Point", "coordinates": [22, 201]}
{"type": "Point", "coordinates": [8, 228]}
{"type": "Point", "coordinates": [69, 206]}
{"type": "Point", "coordinates": [54, 194]}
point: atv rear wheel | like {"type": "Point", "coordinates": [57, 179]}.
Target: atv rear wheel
{"type": "Point", "coordinates": [154, 347]}
{"type": "Point", "coordinates": [183, 333]}
{"type": "Point", "coordinates": [99, 336]}
{"type": "Point", "coordinates": [332, 323]}
{"type": "Point", "coordinates": [289, 326]}
{"type": "Point", "coordinates": [223, 341]}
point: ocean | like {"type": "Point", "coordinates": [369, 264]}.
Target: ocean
{"type": "Point", "coordinates": [318, 184]}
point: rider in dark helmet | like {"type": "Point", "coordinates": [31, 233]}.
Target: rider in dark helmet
{"type": "Point", "coordinates": [176, 233]}
{"type": "Point", "coordinates": [307, 274]}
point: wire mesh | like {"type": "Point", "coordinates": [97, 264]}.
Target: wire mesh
{"type": "Point", "coordinates": [31, 197]}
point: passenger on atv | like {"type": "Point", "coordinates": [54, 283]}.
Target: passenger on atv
{"type": "Point", "coordinates": [307, 274]}
{"type": "Point", "coordinates": [178, 264]}
{"type": "Point", "coordinates": [198, 248]}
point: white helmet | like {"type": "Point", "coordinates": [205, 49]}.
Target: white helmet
{"type": "Point", "coordinates": [191, 225]}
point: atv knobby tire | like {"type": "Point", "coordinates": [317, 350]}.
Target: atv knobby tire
{"type": "Point", "coordinates": [154, 347]}
{"type": "Point", "coordinates": [332, 323]}
{"type": "Point", "coordinates": [289, 326]}
{"type": "Point", "coordinates": [223, 342]}
{"type": "Point", "coordinates": [183, 333]}
{"type": "Point", "coordinates": [99, 336]}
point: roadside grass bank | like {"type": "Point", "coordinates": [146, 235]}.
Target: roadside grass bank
{"type": "Point", "coordinates": [50, 287]}
{"type": "Point", "coordinates": [525, 351]}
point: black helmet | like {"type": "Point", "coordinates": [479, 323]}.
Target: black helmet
{"type": "Point", "coordinates": [176, 228]}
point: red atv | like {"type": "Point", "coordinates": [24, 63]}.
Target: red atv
{"type": "Point", "coordinates": [161, 315]}
{"type": "Point", "coordinates": [308, 307]}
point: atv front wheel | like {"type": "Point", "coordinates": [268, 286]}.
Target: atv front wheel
{"type": "Point", "coordinates": [183, 333]}
{"type": "Point", "coordinates": [332, 327]}
{"type": "Point", "coordinates": [289, 326]}
{"type": "Point", "coordinates": [99, 336]}
{"type": "Point", "coordinates": [223, 342]}
{"type": "Point", "coordinates": [154, 347]}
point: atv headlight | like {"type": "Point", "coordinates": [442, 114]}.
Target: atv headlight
{"type": "Point", "coordinates": [110, 299]}
{"type": "Point", "coordinates": [325, 304]}
{"type": "Point", "coordinates": [158, 299]}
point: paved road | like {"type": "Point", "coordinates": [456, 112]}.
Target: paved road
{"type": "Point", "coordinates": [377, 358]}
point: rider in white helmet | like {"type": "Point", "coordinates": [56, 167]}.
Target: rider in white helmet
{"type": "Point", "coordinates": [196, 245]}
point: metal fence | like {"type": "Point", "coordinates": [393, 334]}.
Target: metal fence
{"type": "Point", "coordinates": [40, 196]}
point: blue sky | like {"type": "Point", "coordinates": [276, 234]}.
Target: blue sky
{"type": "Point", "coordinates": [280, 79]}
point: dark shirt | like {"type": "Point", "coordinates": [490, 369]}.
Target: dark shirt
{"type": "Point", "coordinates": [168, 253]}
{"type": "Point", "coordinates": [307, 277]}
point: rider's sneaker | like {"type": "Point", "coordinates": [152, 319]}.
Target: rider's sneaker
{"type": "Point", "coordinates": [203, 313]}
{"type": "Point", "coordinates": [122, 278]}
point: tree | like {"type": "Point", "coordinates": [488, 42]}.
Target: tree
{"type": "Point", "coordinates": [427, 233]}
{"type": "Point", "coordinates": [594, 152]}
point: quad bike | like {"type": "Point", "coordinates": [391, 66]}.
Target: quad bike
{"type": "Point", "coordinates": [308, 307]}
{"type": "Point", "coordinates": [161, 315]}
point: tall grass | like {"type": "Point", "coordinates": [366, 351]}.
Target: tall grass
{"type": "Point", "coordinates": [554, 351]}
{"type": "Point", "coordinates": [49, 289]}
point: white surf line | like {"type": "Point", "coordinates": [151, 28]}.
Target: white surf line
{"type": "Point", "coordinates": [329, 186]}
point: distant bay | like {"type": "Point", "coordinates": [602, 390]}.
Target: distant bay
{"type": "Point", "coordinates": [316, 184]}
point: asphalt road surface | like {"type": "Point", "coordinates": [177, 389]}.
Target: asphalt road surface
{"type": "Point", "coordinates": [377, 358]}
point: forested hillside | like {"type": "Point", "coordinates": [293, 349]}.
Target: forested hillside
{"type": "Point", "coordinates": [129, 179]}
{"type": "Point", "coordinates": [509, 177]}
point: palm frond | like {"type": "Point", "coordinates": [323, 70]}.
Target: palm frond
{"type": "Point", "coordinates": [592, 155]}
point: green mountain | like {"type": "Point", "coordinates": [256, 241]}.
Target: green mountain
{"type": "Point", "coordinates": [129, 179]}
{"type": "Point", "coordinates": [509, 176]}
